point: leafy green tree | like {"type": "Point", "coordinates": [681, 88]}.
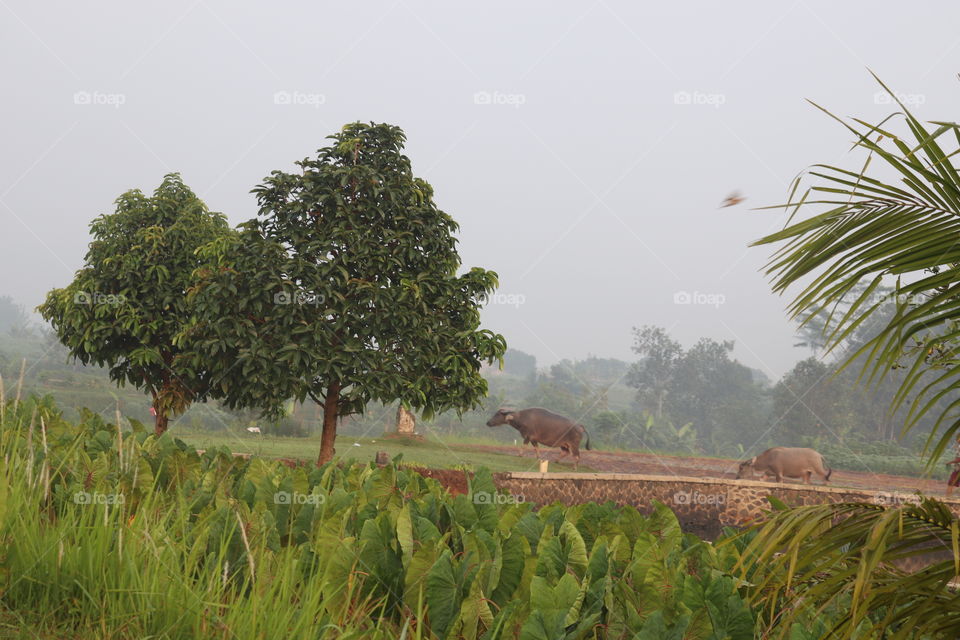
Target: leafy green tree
{"type": "Point", "coordinates": [128, 302]}
{"type": "Point", "coordinates": [13, 318]}
{"type": "Point", "coordinates": [653, 374]}
{"type": "Point", "coordinates": [345, 290]}
{"type": "Point", "coordinates": [519, 363]}
{"type": "Point", "coordinates": [716, 393]}
{"type": "Point", "coordinates": [810, 403]}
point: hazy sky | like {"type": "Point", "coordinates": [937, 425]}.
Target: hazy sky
{"type": "Point", "coordinates": [583, 147]}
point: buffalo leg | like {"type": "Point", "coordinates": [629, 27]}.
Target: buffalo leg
{"type": "Point", "coordinates": [575, 450]}
{"type": "Point", "coordinates": [536, 448]}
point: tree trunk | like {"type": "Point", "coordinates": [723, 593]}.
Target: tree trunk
{"type": "Point", "coordinates": [160, 422]}
{"type": "Point", "coordinates": [329, 436]}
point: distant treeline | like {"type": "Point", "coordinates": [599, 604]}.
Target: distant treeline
{"type": "Point", "coordinates": [672, 399]}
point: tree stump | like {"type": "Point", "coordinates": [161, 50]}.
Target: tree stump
{"type": "Point", "coordinates": [406, 422]}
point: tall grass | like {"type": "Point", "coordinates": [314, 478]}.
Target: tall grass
{"type": "Point", "coordinates": [107, 531]}
{"type": "Point", "coordinates": [120, 558]}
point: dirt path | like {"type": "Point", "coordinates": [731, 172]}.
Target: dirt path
{"type": "Point", "coordinates": [649, 463]}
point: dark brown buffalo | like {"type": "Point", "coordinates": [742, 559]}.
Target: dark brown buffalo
{"type": "Point", "coordinates": [539, 426]}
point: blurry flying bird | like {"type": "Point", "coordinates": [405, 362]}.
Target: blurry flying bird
{"type": "Point", "coordinates": [732, 199]}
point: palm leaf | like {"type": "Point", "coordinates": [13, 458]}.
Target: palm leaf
{"type": "Point", "coordinates": [867, 230]}
{"type": "Point", "coordinates": [844, 558]}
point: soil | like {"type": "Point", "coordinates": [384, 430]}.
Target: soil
{"type": "Point", "coordinates": [454, 480]}
{"type": "Point", "coordinates": [653, 464]}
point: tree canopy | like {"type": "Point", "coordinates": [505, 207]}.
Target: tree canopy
{"type": "Point", "coordinates": [344, 290]}
{"type": "Point", "coordinates": [127, 304]}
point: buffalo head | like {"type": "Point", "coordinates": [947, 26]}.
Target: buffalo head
{"type": "Point", "coordinates": [746, 468]}
{"type": "Point", "coordinates": [503, 416]}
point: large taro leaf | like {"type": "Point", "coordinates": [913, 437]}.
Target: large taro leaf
{"type": "Point", "coordinates": [380, 556]}
{"type": "Point", "coordinates": [576, 548]}
{"type": "Point", "coordinates": [599, 577]}
{"type": "Point", "coordinates": [405, 533]}
{"type": "Point", "coordinates": [482, 493]}
{"type": "Point", "coordinates": [549, 608]}
{"type": "Point", "coordinates": [340, 558]}
{"type": "Point", "coordinates": [474, 612]}
{"type": "Point", "coordinates": [465, 512]}
{"type": "Point", "coordinates": [506, 621]}
{"type": "Point", "coordinates": [562, 552]}
{"type": "Point", "coordinates": [631, 523]}
{"type": "Point", "coordinates": [656, 628]}
{"type": "Point", "coordinates": [424, 531]}
{"type": "Point", "coordinates": [513, 552]}
{"type": "Point", "coordinates": [663, 522]}
{"type": "Point", "coordinates": [510, 516]}
{"type": "Point", "coordinates": [420, 564]}
{"type": "Point", "coordinates": [715, 596]}
{"type": "Point", "coordinates": [444, 594]}
{"type": "Point", "coordinates": [382, 484]}
{"type": "Point", "coordinates": [530, 527]}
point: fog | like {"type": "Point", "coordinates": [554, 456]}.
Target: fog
{"type": "Point", "coordinates": [584, 148]}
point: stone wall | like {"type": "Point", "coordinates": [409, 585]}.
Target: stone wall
{"type": "Point", "coordinates": [703, 505]}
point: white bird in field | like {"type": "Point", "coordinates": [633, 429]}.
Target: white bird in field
{"type": "Point", "coordinates": [253, 429]}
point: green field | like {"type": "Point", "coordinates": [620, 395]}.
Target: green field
{"type": "Point", "coordinates": [429, 453]}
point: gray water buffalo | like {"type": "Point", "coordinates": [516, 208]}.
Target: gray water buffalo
{"type": "Point", "coordinates": [539, 426]}
{"type": "Point", "coordinates": [787, 462]}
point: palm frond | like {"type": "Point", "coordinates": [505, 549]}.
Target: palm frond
{"type": "Point", "coordinates": [873, 232]}
{"type": "Point", "coordinates": [848, 558]}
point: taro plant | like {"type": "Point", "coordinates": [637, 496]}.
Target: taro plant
{"type": "Point", "coordinates": [113, 531]}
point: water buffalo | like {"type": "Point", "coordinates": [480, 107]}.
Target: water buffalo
{"type": "Point", "coordinates": [539, 426]}
{"type": "Point", "coordinates": [789, 462]}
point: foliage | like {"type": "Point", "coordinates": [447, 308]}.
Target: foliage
{"type": "Point", "coordinates": [127, 303]}
{"type": "Point", "coordinates": [870, 232]}
{"type": "Point", "coordinates": [653, 374]}
{"type": "Point", "coordinates": [518, 363]}
{"type": "Point", "coordinates": [217, 545]}
{"type": "Point", "coordinates": [13, 317]}
{"type": "Point", "coordinates": [843, 564]}
{"type": "Point", "coordinates": [810, 403]}
{"type": "Point", "coordinates": [345, 291]}
{"type": "Point", "coordinates": [702, 385]}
